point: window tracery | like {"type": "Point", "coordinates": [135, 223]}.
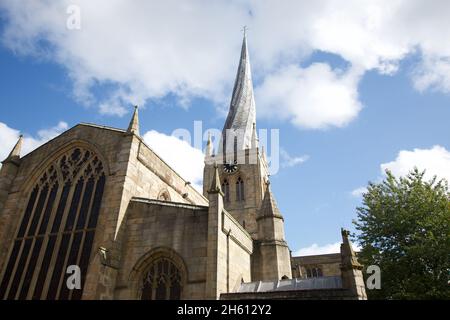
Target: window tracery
{"type": "Point", "coordinates": [57, 228]}
{"type": "Point", "coordinates": [162, 281]}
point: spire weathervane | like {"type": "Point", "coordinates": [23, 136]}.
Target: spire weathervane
{"type": "Point", "coordinates": [244, 30]}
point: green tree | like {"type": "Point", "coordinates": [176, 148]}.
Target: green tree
{"type": "Point", "coordinates": [404, 228]}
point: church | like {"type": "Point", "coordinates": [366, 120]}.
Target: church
{"type": "Point", "coordinates": [100, 199]}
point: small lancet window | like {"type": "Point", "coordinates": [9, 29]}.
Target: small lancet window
{"type": "Point", "coordinates": [226, 190]}
{"type": "Point", "coordinates": [240, 190]}
{"type": "Point", "coordinates": [314, 272]}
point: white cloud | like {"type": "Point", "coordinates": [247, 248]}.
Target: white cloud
{"type": "Point", "coordinates": [325, 249]}
{"type": "Point", "coordinates": [150, 49]}
{"type": "Point", "coordinates": [9, 137]}
{"type": "Point", "coordinates": [112, 108]}
{"type": "Point", "coordinates": [313, 97]}
{"type": "Point", "coordinates": [290, 161]}
{"type": "Point", "coordinates": [317, 249]}
{"type": "Point", "coordinates": [46, 134]}
{"type": "Point", "coordinates": [140, 51]}
{"type": "Point", "coordinates": [358, 192]}
{"type": "Point", "coordinates": [169, 148]}
{"type": "Point", "coordinates": [434, 74]}
{"type": "Point", "coordinates": [436, 161]}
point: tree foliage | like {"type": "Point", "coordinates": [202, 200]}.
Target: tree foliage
{"type": "Point", "coordinates": [404, 228]}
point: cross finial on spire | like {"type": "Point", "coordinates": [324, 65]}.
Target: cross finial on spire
{"type": "Point", "coordinates": [244, 30]}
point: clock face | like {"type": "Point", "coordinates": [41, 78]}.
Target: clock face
{"type": "Point", "coordinates": [230, 167]}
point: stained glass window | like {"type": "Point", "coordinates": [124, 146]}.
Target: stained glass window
{"type": "Point", "coordinates": [57, 229]}
{"type": "Point", "coordinates": [314, 272]}
{"type": "Point", "coordinates": [162, 281]}
{"type": "Point", "coordinates": [226, 190]}
{"type": "Point", "coordinates": [239, 189]}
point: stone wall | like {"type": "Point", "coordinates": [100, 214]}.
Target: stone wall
{"type": "Point", "coordinates": [329, 263]}
{"type": "Point", "coordinates": [183, 228]}
{"type": "Point", "coordinates": [151, 169]}
{"type": "Point", "coordinates": [253, 171]}
{"type": "Point", "coordinates": [131, 168]}
{"type": "Point", "coordinates": [156, 224]}
{"type": "Point", "coordinates": [107, 143]}
{"type": "Point", "coordinates": [239, 248]}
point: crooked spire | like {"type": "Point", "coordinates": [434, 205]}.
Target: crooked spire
{"type": "Point", "coordinates": [133, 127]}
{"type": "Point", "coordinates": [242, 113]}
{"type": "Point", "coordinates": [14, 155]}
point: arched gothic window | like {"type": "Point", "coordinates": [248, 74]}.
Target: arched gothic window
{"type": "Point", "coordinates": [57, 229]}
{"type": "Point", "coordinates": [314, 272]}
{"type": "Point", "coordinates": [240, 190]}
{"type": "Point", "coordinates": [162, 281]}
{"type": "Point", "coordinates": [226, 190]}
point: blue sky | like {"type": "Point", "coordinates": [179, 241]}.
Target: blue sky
{"type": "Point", "coordinates": [383, 101]}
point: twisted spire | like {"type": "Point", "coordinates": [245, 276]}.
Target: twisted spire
{"type": "Point", "coordinates": [242, 113]}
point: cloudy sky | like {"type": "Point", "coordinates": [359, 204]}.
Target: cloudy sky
{"type": "Point", "coordinates": [355, 87]}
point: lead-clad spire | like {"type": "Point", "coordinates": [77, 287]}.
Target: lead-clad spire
{"type": "Point", "coordinates": [242, 114]}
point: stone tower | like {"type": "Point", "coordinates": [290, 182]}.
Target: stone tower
{"type": "Point", "coordinates": [244, 178]}
{"type": "Point", "coordinates": [274, 256]}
